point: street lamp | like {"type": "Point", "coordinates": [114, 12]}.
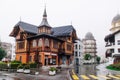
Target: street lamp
{"type": "Point", "coordinates": [9, 66]}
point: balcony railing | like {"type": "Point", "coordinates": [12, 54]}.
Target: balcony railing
{"type": "Point", "coordinates": [61, 51]}
{"type": "Point", "coordinates": [109, 44]}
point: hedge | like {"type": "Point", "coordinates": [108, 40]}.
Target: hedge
{"type": "Point", "coordinates": [3, 65]}
{"type": "Point", "coordinates": [114, 67]}
{"type": "Point", "coordinates": [14, 65]}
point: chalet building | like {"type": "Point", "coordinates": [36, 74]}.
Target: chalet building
{"type": "Point", "coordinates": [43, 43]}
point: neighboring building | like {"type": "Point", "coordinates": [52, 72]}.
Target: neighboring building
{"type": "Point", "coordinates": [113, 40]}
{"type": "Point", "coordinates": [89, 46]}
{"type": "Point", "coordinates": [8, 48]}
{"type": "Point", "coordinates": [43, 43]}
{"type": "Point", "coordinates": [115, 23]}
{"type": "Point", "coordinates": [13, 52]}
{"type": "Point", "coordinates": [78, 52]}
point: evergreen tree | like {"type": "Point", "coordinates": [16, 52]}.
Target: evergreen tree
{"type": "Point", "coordinates": [2, 53]}
{"type": "Point", "coordinates": [98, 59]}
{"type": "Point", "coordinates": [87, 57]}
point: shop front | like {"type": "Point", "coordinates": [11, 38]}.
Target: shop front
{"type": "Point", "coordinates": [50, 59]}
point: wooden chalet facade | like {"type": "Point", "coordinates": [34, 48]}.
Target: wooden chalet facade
{"type": "Point", "coordinates": [50, 46]}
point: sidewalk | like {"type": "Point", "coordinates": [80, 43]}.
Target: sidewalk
{"type": "Point", "coordinates": [63, 75]}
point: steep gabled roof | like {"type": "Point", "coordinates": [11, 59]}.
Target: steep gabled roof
{"type": "Point", "coordinates": [27, 27]}
{"type": "Point", "coordinates": [56, 31]}
{"type": "Point", "coordinates": [62, 31]}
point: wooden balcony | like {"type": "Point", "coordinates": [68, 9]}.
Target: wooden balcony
{"type": "Point", "coordinates": [61, 50]}
{"type": "Point", "coordinates": [47, 49]}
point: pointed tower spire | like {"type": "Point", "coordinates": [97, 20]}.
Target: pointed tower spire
{"type": "Point", "coordinates": [44, 20]}
{"type": "Point", "coordinates": [45, 14]}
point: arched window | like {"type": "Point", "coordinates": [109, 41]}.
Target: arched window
{"type": "Point", "coordinates": [46, 42]}
{"type": "Point", "coordinates": [34, 43]}
{"type": "Point", "coordinates": [40, 43]}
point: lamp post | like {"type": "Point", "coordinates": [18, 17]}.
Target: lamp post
{"type": "Point", "coordinates": [9, 66]}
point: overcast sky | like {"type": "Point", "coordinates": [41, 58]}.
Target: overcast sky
{"type": "Point", "coordinates": [85, 15]}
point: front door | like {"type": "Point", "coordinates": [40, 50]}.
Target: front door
{"type": "Point", "coordinates": [64, 60]}
{"type": "Point", "coordinates": [46, 60]}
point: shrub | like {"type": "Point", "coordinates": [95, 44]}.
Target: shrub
{"type": "Point", "coordinates": [114, 67]}
{"type": "Point", "coordinates": [87, 57]}
{"type": "Point", "coordinates": [27, 66]}
{"type": "Point", "coordinates": [14, 65]}
{"type": "Point", "coordinates": [3, 65]}
{"type": "Point", "coordinates": [20, 66]}
{"type": "Point", "coordinates": [52, 69]}
{"type": "Point", "coordinates": [24, 64]}
{"type": "Point", "coordinates": [15, 61]}
{"type": "Point", "coordinates": [33, 65]}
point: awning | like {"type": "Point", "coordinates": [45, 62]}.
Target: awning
{"type": "Point", "coordinates": [116, 55]}
{"type": "Point", "coordinates": [53, 54]}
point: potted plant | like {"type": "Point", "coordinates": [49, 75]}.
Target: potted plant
{"type": "Point", "coordinates": [20, 68]}
{"type": "Point", "coordinates": [52, 71]}
{"type": "Point", "coordinates": [27, 69]}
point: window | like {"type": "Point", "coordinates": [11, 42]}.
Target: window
{"type": "Point", "coordinates": [39, 58]}
{"type": "Point", "coordinates": [34, 43]}
{"type": "Point", "coordinates": [118, 50]}
{"type": "Point", "coordinates": [68, 47]}
{"type": "Point", "coordinates": [68, 38]}
{"type": "Point", "coordinates": [40, 43]}
{"type": "Point", "coordinates": [20, 59]}
{"type": "Point", "coordinates": [20, 45]}
{"type": "Point", "coordinates": [79, 46]}
{"type": "Point", "coordinates": [30, 58]}
{"type": "Point", "coordinates": [118, 42]}
{"type": "Point", "coordinates": [55, 44]}
{"type": "Point", "coordinates": [46, 43]}
{"type": "Point", "coordinates": [43, 29]}
{"type": "Point", "coordinates": [79, 54]}
{"type": "Point", "coordinates": [76, 46]}
{"type": "Point", "coordinates": [76, 54]}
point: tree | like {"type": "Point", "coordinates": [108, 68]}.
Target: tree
{"type": "Point", "coordinates": [2, 53]}
{"type": "Point", "coordinates": [98, 59]}
{"type": "Point", "coordinates": [87, 57]}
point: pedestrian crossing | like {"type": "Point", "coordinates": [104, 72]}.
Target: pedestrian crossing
{"type": "Point", "coordinates": [99, 77]}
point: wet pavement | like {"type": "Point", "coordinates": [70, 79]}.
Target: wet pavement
{"type": "Point", "coordinates": [42, 76]}
{"type": "Point", "coordinates": [96, 70]}
{"type": "Point", "coordinates": [86, 70]}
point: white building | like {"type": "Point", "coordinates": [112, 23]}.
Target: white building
{"type": "Point", "coordinates": [78, 52]}
{"type": "Point", "coordinates": [113, 40]}
{"type": "Point", "coordinates": [13, 52]}
{"type": "Point", "coordinates": [8, 48]}
{"type": "Point", "coordinates": [90, 47]}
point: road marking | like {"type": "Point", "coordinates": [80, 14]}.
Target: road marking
{"type": "Point", "coordinates": [93, 76]}
{"type": "Point", "coordinates": [113, 77]}
{"type": "Point", "coordinates": [104, 77]}
{"type": "Point", "coordinates": [118, 75]}
{"type": "Point", "coordinates": [75, 77]}
{"type": "Point", "coordinates": [85, 77]}
{"type": "Point", "coordinates": [73, 71]}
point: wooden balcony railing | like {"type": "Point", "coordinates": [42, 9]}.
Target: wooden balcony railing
{"type": "Point", "coordinates": [61, 50]}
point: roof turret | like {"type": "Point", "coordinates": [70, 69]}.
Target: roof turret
{"type": "Point", "coordinates": [44, 20]}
